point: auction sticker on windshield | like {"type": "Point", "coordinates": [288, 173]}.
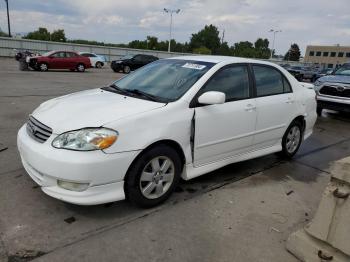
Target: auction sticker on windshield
{"type": "Point", "coordinates": [194, 66]}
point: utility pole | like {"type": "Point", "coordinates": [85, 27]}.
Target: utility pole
{"type": "Point", "coordinates": [171, 11]}
{"type": "Point", "coordinates": [274, 38]}
{"type": "Point", "coordinates": [8, 17]}
{"type": "Point", "coordinates": [223, 36]}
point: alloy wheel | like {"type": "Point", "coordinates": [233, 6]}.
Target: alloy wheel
{"type": "Point", "coordinates": [293, 139]}
{"type": "Point", "coordinates": [157, 177]}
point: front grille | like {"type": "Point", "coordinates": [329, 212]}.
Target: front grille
{"type": "Point", "coordinates": [335, 91]}
{"type": "Point", "coordinates": [37, 130]}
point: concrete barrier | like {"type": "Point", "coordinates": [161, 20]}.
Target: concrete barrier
{"type": "Point", "coordinates": [7, 46]}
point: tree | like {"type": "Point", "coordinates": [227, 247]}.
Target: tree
{"type": "Point", "coordinates": [224, 49]}
{"type": "Point", "coordinates": [207, 37]}
{"type": "Point", "coordinates": [293, 53]}
{"type": "Point", "coordinates": [262, 49]}
{"type": "Point", "coordinates": [40, 34]}
{"type": "Point", "coordinates": [244, 49]}
{"type": "Point", "coordinates": [58, 36]}
{"type": "Point", "coordinates": [202, 50]}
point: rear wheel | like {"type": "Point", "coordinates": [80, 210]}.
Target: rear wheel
{"type": "Point", "coordinates": [98, 65]}
{"type": "Point", "coordinates": [126, 69]}
{"type": "Point", "coordinates": [153, 176]}
{"type": "Point", "coordinates": [43, 67]}
{"type": "Point", "coordinates": [292, 139]}
{"type": "Point", "coordinates": [80, 67]}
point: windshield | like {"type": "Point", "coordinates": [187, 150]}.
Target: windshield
{"type": "Point", "coordinates": [344, 70]}
{"type": "Point", "coordinates": [166, 79]}
{"type": "Point", "coordinates": [126, 57]}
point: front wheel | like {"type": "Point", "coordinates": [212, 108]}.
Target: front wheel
{"type": "Point", "coordinates": [292, 139]}
{"type": "Point", "coordinates": [43, 67]}
{"type": "Point", "coordinates": [153, 176]}
{"type": "Point", "coordinates": [126, 69]}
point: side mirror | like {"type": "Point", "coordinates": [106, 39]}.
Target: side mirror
{"type": "Point", "coordinates": [212, 98]}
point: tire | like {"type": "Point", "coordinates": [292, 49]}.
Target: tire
{"type": "Point", "coordinates": [126, 69]}
{"type": "Point", "coordinates": [43, 67]}
{"type": "Point", "coordinates": [80, 68]}
{"type": "Point", "coordinates": [319, 111]}
{"type": "Point", "coordinates": [98, 65]}
{"type": "Point", "coordinates": [146, 185]}
{"type": "Point", "coordinates": [292, 139]}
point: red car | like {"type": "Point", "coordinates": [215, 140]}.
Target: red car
{"type": "Point", "coordinates": [59, 60]}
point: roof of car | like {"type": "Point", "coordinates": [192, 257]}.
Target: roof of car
{"type": "Point", "coordinates": [219, 59]}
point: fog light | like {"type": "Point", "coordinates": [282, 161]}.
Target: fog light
{"type": "Point", "coordinates": [72, 186]}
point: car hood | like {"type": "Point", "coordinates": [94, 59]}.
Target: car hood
{"type": "Point", "coordinates": [335, 79]}
{"type": "Point", "coordinates": [91, 108]}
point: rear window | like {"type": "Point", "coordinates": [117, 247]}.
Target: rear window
{"type": "Point", "coordinates": [268, 81]}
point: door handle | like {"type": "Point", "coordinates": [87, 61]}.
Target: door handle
{"type": "Point", "coordinates": [250, 107]}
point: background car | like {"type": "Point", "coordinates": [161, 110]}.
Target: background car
{"type": "Point", "coordinates": [59, 60]}
{"type": "Point", "coordinates": [95, 60]}
{"type": "Point", "coordinates": [132, 62]}
{"type": "Point", "coordinates": [333, 91]}
{"type": "Point", "coordinates": [296, 71]}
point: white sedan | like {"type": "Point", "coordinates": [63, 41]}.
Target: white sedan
{"type": "Point", "coordinates": [177, 117]}
{"type": "Point", "coordinates": [95, 60]}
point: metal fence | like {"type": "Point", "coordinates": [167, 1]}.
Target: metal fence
{"type": "Point", "coordinates": [8, 45]}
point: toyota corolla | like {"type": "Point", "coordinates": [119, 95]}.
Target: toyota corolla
{"type": "Point", "coordinates": [174, 118]}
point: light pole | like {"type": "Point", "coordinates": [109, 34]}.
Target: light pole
{"type": "Point", "coordinates": [274, 38]}
{"type": "Point", "coordinates": [171, 11]}
{"type": "Point", "coordinates": [8, 17]}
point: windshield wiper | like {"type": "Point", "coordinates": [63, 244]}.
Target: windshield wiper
{"type": "Point", "coordinates": [144, 94]}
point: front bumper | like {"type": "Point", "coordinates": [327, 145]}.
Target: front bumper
{"type": "Point", "coordinates": [333, 103]}
{"type": "Point", "coordinates": [46, 165]}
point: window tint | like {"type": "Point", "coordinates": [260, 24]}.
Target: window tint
{"type": "Point", "coordinates": [85, 55]}
{"type": "Point", "coordinates": [286, 86]}
{"type": "Point", "coordinates": [312, 53]}
{"type": "Point", "coordinates": [340, 54]}
{"type": "Point", "coordinates": [318, 53]}
{"type": "Point", "coordinates": [325, 53]}
{"type": "Point", "coordinates": [333, 54]}
{"type": "Point", "coordinates": [59, 55]}
{"type": "Point", "coordinates": [268, 81]}
{"type": "Point", "coordinates": [69, 54]}
{"type": "Point", "coordinates": [347, 54]}
{"type": "Point", "coordinates": [233, 81]}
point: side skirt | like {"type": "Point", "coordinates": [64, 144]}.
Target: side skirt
{"type": "Point", "coordinates": [191, 172]}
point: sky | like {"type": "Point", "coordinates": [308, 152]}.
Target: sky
{"type": "Point", "coordinates": [304, 22]}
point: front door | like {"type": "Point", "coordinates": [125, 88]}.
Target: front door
{"type": "Point", "coordinates": [225, 130]}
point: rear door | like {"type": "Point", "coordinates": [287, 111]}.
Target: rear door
{"type": "Point", "coordinates": [275, 105]}
{"type": "Point", "coordinates": [225, 130]}
{"type": "Point", "coordinates": [138, 61]}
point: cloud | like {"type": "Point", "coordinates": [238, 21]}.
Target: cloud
{"type": "Point", "coordinates": [303, 22]}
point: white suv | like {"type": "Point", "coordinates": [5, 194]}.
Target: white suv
{"type": "Point", "coordinates": [333, 91]}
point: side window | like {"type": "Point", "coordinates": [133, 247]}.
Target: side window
{"type": "Point", "coordinates": [233, 81]}
{"type": "Point", "coordinates": [286, 86]}
{"type": "Point", "coordinates": [69, 54]}
{"type": "Point", "coordinates": [268, 81]}
{"type": "Point", "coordinates": [59, 55]}
{"type": "Point", "coordinates": [85, 55]}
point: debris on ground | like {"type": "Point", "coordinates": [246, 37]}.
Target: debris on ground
{"type": "Point", "coordinates": [290, 192]}
{"type": "Point", "coordinates": [70, 220]}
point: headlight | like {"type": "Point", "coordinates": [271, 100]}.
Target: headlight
{"type": "Point", "coordinates": [317, 83]}
{"type": "Point", "coordinates": [86, 139]}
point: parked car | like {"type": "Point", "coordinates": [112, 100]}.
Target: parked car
{"type": "Point", "coordinates": [59, 60]}
{"type": "Point", "coordinates": [309, 73]}
{"type": "Point", "coordinates": [95, 60]}
{"type": "Point", "coordinates": [131, 62]}
{"type": "Point", "coordinates": [324, 72]}
{"type": "Point", "coordinates": [333, 91]}
{"type": "Point", "coordinates": [296, 71]}
{"type": "Point", "coordinates": [177, 117]}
